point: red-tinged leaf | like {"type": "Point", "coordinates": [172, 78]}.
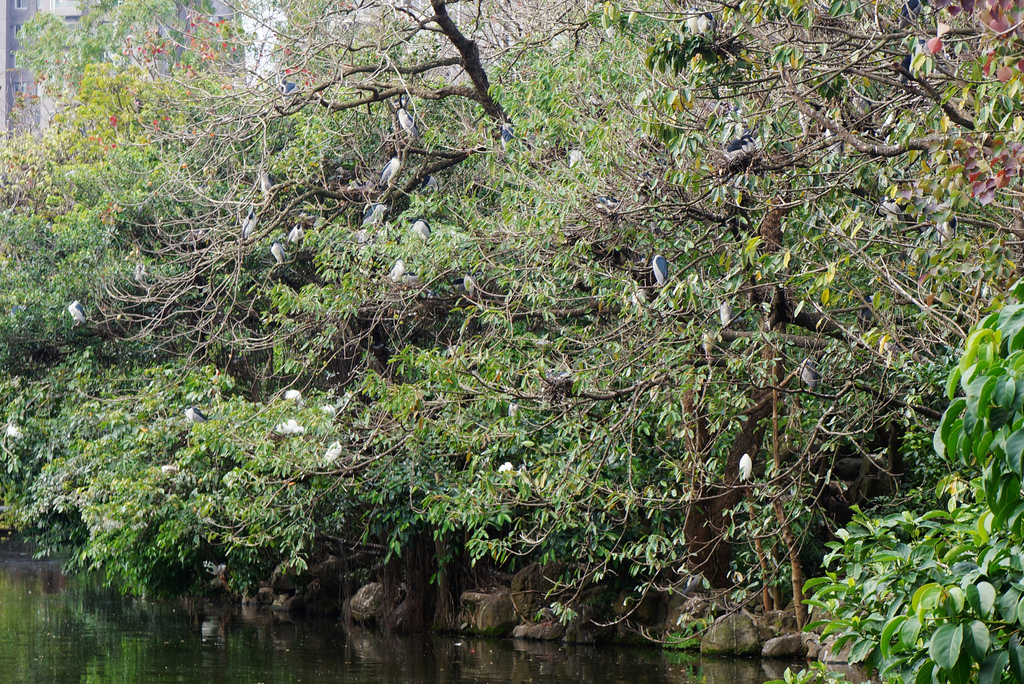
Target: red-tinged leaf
{"type": "Point", "coordinates": [987, 69]}
{"type": "Point", "coordinates": [1004, 74]}
{"type": "Point", "coordinates": [1020, 65]}
{"type": "Point", "coordinates": [968, 5]}
{"type": "Point", "coordinates": [942, 29]}
{"type": "Point", "coordinates": [934, 45]}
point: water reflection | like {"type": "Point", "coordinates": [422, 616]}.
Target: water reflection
{"type": "Point", "coordinates": [55, 629]}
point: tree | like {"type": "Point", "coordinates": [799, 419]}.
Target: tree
{"type": "Point", "coordinates": [535, 332]}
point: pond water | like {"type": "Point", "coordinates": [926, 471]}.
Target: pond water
{"type": "Point", "coordinates": [62, 630]}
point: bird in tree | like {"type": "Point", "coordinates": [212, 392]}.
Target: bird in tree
{"type": "Point", "coordinates": [429, 184]}
{"type": "Point", "coordinates": [373, 213]}
{"type": "Point", "coordinates": [407, 123]}
{"type": "Point", "coordinates": [910, 11]}
{"type": "Point", "coordinates": [296, 234]}
{"type": "Point", "coordinates": [865, 314]}
{"type": "Point", "coordinates": [195, 415]}
{"type": "Point", "coordinates": [659, 265]}
{"type": "Point", "coordinates": [286, 87]}
{"type": "Point", "coordinates": [506, 134]}
{"type": "Point", "coordinates": [606, 204]}
{"type": "Point", "coordinates": [575, 157]}
{"type": "Point", "coordinates": [267, 182]}
{"type": "Point", "coordinates": [746, 467]}
{"type": "Point", "coordinates": [702, 24]}
{"type": "Point", "coordinates": [809, 373]}
{"type": "Point", "coordinates": [466, 286]}
{"type": "Point", "coordinates": [725, 313]}
{"type": "Point", "coordinates": [293, 395]}
{"type": "Point", "coordinates": [390, 171]}
{"type": "Point", "coordinates": [709, 345]}
{"type": "Point", "coordinates": [740, 148]}
{"type": "Point", "coordinates": [397, 273]}
{"type": "Point", "coordinates": [421, 228]}
{"type": "Point", "coordinates": [277, 250]}
{"type": "Point", "coordinates": [249, 224]}
{"type": "Point", "coordinates": [77, 312]}
{"type": "Point", "coordinates": [946, 230]}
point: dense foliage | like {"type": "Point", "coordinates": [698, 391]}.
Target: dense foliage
{"type": "Point", "coordinates": [570, 147]}
{"type": "Point", "coordinates": [938, 597]}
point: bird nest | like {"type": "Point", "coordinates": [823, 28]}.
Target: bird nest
{"type": "Point", "coordinates": [558, 386]}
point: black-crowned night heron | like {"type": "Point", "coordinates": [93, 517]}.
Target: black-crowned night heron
{"type": "Point", "coordinates": [267, 182]}
{"type": "Point", "coordinates": [421, 228]}
{"type": "Point", "coordinates": [506, 134]}
{"type": "Point", "coordinates": [407, 123]}
{"type": "Point", "coordinates": [296, 234]}
{"type": "Point", "coordinates": [195, 415]}
{"type": "Point", "coordinates": [910, 10]}
{"type": "Point", "coordinates": [659, 265]}
{"type": "Point", "coordinates": [429, 184]}
{"type": "Point", "coordinates": [277, 250]}
{"type": "Point", "coordinates": [946, 230]}
{"type": "Point", "coordinates": [809, 373]}
{"type": "Point", "coordinates": [725, 313]}
{"type": "Point", "coordinates": [606, 204]}
{"type": "Point", "coordinates": [249, 224]}
{"type": "Point", "coordinates": [702, 24]}
{"type": "Point", "coordinates": [374, 213]}
{"type": "Point", "coordinates": [77, 312]}
{"type": "Point", "coordinates": [465, 285]}
{"type": "Point", "coordinates": [286, 87]}
{"type": "Point", "coordinates": [740, 148]}
{"type": "Point", "coordinates": [390, 171]}
{"type": "Point", "coordinates": [397, 273]}
{"type": "Point", "coordinates": [890, 210]}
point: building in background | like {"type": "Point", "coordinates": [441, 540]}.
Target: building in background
{"type": "Point", "coordinates": [19, 94]}
{"type": "Point", "coordinates": [22, 102]}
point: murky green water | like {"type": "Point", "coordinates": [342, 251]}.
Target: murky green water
{"type": "Point", "coordinates": [55, 629]}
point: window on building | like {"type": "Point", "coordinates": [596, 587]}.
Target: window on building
{"type": "Point", "coordinates": [14, 59]}
{"type": "Point", "coordinates": [17, 29]}
{"type": "Point", "coordinates": [63, 4]}
{"type": "Point", "coordinates": [20, 4]}
{"type": "Point", "coordinates": [20, 87]}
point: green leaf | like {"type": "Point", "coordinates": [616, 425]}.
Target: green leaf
{"type": "Point", "coordinates": [1014, 450]}
{"type": "Point", "coordinates": [991, 671]}
{"type": "Point", "coordinates": [981, 597]}
{"type": "Point", "coordinates": [909, 632]}
{"type": "Point", "coordinates": [1016, 652]}
{"type": "Point", "coordinates": [887, 634]}
{"type": "Point", "coordinates": [978, 639]}
{"type": "Point", "coordinates": [944, 647]}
